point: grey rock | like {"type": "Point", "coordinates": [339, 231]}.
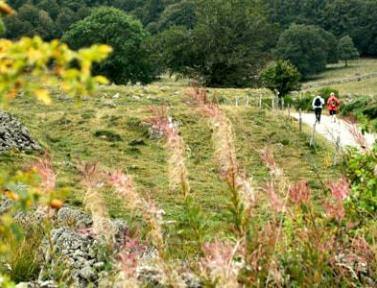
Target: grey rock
{"type": "Point", "coordinates": [109, 103]}
{"type": "Point", "coordinates": [14, 135]}
{"type": "Point", "coordinates": [37, 284]}
{"type": "Point", "coordinates": [5, 204]}
{"type": "Point", "coordinates": [68, 216]}
{"type": "Point", "coordinates": [76, 248]}
{"type": "Point", "coordinates": [98, 265]}
{"type": "Point", "coordinates": [87, 273]}
{"type": "Point", "coordinates": [191, 280]}
{"type": "Point", "coordinates": [154, 133]}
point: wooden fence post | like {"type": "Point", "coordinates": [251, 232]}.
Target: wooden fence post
{"type": "Point", "coordinates": [337, 148]}
{"type": "Point", "coordinates": [260, 101]}
{"type": "Point", "coordinates": [300, 120]}
{"type": "Point", "coordinates": [237, 101]}
{"type": "Point", "coordinates": [312, 139]}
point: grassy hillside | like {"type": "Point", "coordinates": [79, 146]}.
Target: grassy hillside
{"type": "Point", "coordinates": [353, 79]}
{"type": "Point", "coordinates": [111, 131]}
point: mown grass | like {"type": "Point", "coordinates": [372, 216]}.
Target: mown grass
{"type": "Point", "coordinates": [359, 88]}
{"type": "Point", "coordinates": [356, 67]}
{"type": "Point", "coordinates": [111, 131]}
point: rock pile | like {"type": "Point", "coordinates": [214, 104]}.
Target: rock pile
{"type": "Point", "coordinates": [75, 248]}
{"type": "Point", "coordinates": [14, 135]}
{"type": "Point", "coordinates": [78, 256]}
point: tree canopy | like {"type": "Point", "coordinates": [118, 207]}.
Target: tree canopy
{"type": "Point", "coordinates": [346, 49]}
{"type": "Point", "coordinates": [304, 47]}
{"type": "Point", "coordinates": [130, 61]}
{"type": "Point", "coordinates": [281, 76]}
{"type": "Point", "coordinates": [226, 47]}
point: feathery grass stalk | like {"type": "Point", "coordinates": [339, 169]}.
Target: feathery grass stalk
{"type": "Point", "coordinates": [43, 167]}
{"type": "Point", "coordinates": [128, 260]}
{"type": "Point", "coordinates": [178, 175]}
{"type": "Point", "coordinates": [190, 224]}
{"type": "Point", "coordinates": [339, 191]}
{"type": "Point", "coordinates": [152, 215]}
{"type": "Point", "coordinates": [125, 187]}
{"type": "Point", "coordinates": [279, 204]}
{"type": "Point", "coordinates": [217, 264]}
{"type": "Point", "coordinates": [93, 181]}
{"type": "Point", "coordinates": [45, 170]}
{"type": "Point", "coordinates": [357, 135]}
{"type": "Point", "coordinates": [242, 192]}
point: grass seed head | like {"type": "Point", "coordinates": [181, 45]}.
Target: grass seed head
{"type": "Point", "coordinates": [300, 192]}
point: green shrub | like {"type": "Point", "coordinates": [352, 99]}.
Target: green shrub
{"type": "Point", "coordinates": [361, 170]}
{"type": "Point", "coordinates": [303, 102]}
{"type": "Point", "coordinates": [355, 105]}
{"type": "Point", "coordinates": [326, 91]}
{"type": "Point", "coordinates": [23, 257]}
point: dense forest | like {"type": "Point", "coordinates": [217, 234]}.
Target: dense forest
{"type": "Point", "coordinates": [222, 43]}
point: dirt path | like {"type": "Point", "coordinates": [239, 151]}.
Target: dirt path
{"type": "Point", "coordinates": [341, 129]}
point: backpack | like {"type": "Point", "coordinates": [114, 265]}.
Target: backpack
{"type": "Point", "coordinates": [317, 102]}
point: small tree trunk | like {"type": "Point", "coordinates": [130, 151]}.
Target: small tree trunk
{"type": "Point", "coordinates": [312, 139]}
{"type": "Point", "coordinates": [300, 120]}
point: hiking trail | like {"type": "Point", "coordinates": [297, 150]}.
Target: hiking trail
{"type": "Point", "coordinates": [348, 133]}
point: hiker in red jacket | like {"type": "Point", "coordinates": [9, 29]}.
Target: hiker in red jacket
{"type": "Point", "coordinates": [333, 106]}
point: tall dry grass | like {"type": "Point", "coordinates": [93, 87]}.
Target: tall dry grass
{"type": "Point", "coordinates": [153, 217]}
{"type": "Point", "coordinates": [93, 179]}
{"type": "Point", "coordinates": [161, 122]}
{"type": "Point", "coordinates": [243, 195]}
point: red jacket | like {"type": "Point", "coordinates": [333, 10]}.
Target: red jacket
{"type": "Point", "coordinates": [333, 103]}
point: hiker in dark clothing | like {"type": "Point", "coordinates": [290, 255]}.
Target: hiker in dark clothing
{"type": "Point", "coordinates": [317, 105]}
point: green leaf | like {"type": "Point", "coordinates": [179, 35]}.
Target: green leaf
{"type": "Point", "coordinates": [2, 27]}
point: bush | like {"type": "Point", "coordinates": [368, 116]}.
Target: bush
{"type": "Point", "coordinates": [364, 108]}
{"type": "Point", "coordinates": [326, 91]}
{"type": "Point", "coordinates": [304, 102]}
{"type": "Point", "coordinates": [362, 169]}
{"type": "Point", "coordinates": [355, 105]}
{"type": "Point", "coordinates": [281, 76]}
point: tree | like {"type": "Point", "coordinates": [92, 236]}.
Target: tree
{"type": "Point", "coordinates": [229, 42]}
{"type": "Point", "coordinates": [175, 50]}
{"type": "Point", "coordinates": [303, 46]}
{"type": "Point", "coordinates": [182, 13]}
{"type": "Point", "coordinates": [226, 47]}
{"type": "Point", "coordinates": [16, 27]}
{"type": "Point", "coordinates": [50, 6]}
{"type": "Point", "coordinates": [347, 50]}
{"type": "Point", "coordinates": [281, 76]}
{"type": "Point", "coordinates": [64, 20]}
{"type": "Point", "coordinates": [331, 45]}
{"type": "Point", "coordinates": [131, 60]}
{"type": "Point", "coordinates": [46, 28]}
